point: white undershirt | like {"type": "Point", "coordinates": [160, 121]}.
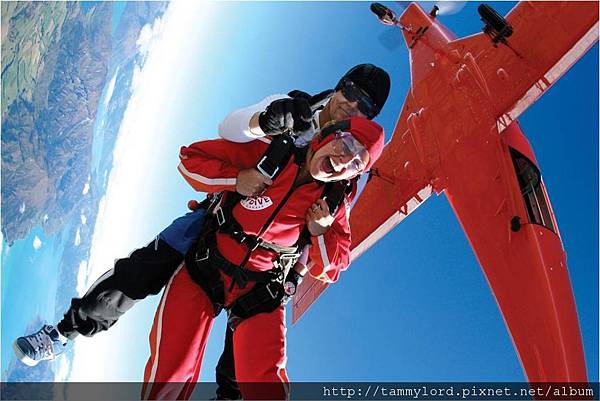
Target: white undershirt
{"type": "Point", "coordinates": [235, 127]}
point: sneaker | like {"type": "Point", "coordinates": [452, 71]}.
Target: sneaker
{"type": "Point", "coordinates": [43, 345]}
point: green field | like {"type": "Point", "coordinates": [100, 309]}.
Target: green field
{"type": "Point", "coordinates": [28, 32]}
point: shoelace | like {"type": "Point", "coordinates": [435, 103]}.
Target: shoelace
{"type": "Point", "coordinates": [41, 342]}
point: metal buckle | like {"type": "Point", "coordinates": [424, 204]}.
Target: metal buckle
{"type": "Point", "coordinates": [214, 199]}
{"type": "Point", "coordinates": [233, 320]}
{"type": "Point", "coordinates": [268, 286]}
{"type": "Point", "coordinates": [250, 240]}
{"type": "Point", "coordinates": [206, 255]}
{"type": "Point", "coordinates": [260, 168]}
{"type": "Point", "coordinates": [288, 260]}
{"type": "Point", "coordinates": [257, 243]}
{"type": "Point", "coordinates": [289, 256]}
{"type": "Point", "coordinates": [220, 215]}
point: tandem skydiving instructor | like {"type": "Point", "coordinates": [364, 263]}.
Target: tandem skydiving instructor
{"type": "Point", "coordinates": [361, 92]}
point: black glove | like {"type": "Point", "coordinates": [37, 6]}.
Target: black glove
{"type": "Point", "coordinates": [286, 114]}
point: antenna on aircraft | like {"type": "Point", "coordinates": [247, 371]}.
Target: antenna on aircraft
{"type": "Point", "coordinates": [384, 14]}
{"type": "Point", "coordinates": [496, 26]}
{"type": "Point", "coordinates": [389, 38]}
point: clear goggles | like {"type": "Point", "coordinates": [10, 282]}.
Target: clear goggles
{"type": "Point", "coordinates": [353, 152]}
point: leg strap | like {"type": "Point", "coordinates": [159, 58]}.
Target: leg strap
{"type": "Point", "coordinates": [207, 276]}
{"type": "Point", "coordinates": [262, 298]}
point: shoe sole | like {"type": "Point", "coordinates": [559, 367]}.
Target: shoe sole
{"type": "Point", "coordinates": [22, 357]}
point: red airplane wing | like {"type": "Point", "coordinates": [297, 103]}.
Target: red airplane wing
{"type": "Point", "coordinates": [548, 38]}
{"type": "Point", "coordinates": [398, 185]}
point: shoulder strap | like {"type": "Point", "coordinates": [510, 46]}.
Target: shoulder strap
{"type": "Point", "coordinates": [276, 156]}
{"type": "Point", "coordinates": [333, 194]}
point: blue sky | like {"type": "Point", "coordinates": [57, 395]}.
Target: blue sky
{"type": "Point", "coordinates": [416, 307]}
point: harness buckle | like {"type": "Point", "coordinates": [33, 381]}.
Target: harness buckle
{"type": "Point", "coordinates": [213, 199]}
{"type": "Point", "coordinates": [204, 257]}
{"type": "Point", "coordinates": [273, 293]}
{"type": "Point", "coordinates": [233, 320]}
{"type": "Point", "coordinates": [249, 240]}
{"type": "Point", "coordinates": [253, 243]}
{"type": "Point", "coordinates": [263, 170]}
{"type": "Point", "coordinates": [220, 215]}
{"type": "Point", "coordinates": [238, 236]}
{"type": "Point", "coordinates": [289, 256]}
{"type": "Point", "coordinates": [288, 260]}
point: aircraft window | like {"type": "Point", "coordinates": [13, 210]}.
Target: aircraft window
{"type": "Point", "coordinates": [533, 191]}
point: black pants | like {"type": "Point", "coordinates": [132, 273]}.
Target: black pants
{"type": "Point", "coordinates": [145, 272]}
{"type": "Point", "coordinates": [227, 386]}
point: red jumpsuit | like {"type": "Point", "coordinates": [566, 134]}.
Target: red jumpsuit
{"type": "Point", "coordinates": [185, 314]}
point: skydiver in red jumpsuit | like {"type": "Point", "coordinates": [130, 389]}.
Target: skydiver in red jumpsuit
{"type": "Point", "coordinates": [185, 314]}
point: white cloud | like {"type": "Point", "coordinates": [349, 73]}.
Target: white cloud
{"type": "Point", "coordinates": [83, 219]}
{"type": "Point", "coordinates": [150, 37]}
{"type": "Point", "coordinates": [45, 218]}
{"type": "Point", "coordinates": [77, 237]}
{"type": "Point", "coordinates": [121, 225]}
{"type": "Point", "coordinates": [86, 188]}
{"type": "Point", "coordinates": [22, 208]}
{"type": "Point", "coordinates": [61, 372]}
{"type": "Point", "coordinates": [37, 243]}
{"type": "Point", "coordinates": [82, 278]}
{"type": "Point", "coordinates": [111, 88]}
{"type": "Point", "coordinates": [136, 78]}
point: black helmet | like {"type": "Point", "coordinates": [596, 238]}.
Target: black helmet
{"type": "Point", "coordinates": [371, 79]}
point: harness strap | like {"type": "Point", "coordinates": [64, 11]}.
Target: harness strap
{"type": "Point", "coordinates": [263, 297]}
{"type": "Point", "coordinates": [206, 275]}
{"type": "Point", "coordinates": [207, 253]}
{"type": "Point", "coordinates": [227, 224]}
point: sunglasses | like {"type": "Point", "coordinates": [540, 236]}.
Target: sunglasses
{"type": "Point", "coordinates": [345, 144]}
{"type": "Point", "coordinates": [353, 93]}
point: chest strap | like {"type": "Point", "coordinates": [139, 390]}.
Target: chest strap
{"type": "Point", "coordinates": [207, 255]}
{"type": "Point", "coordinates": [225, 223]}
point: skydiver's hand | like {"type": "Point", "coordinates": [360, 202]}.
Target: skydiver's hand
{"type": "Point", "coordinates": [286, 114]}
{"type": "Point", "coordinates": [318, 218]}
{"type": "Point", "coordinates": [251, 182]}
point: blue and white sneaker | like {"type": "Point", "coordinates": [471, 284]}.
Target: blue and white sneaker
{"type": "Point", "coordinates": [45, 344]}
